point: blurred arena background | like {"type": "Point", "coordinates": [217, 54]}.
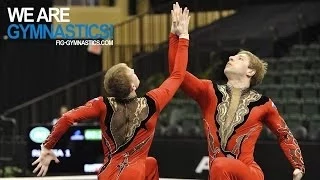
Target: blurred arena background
{"type": "Point", "coordinates": [39, 79]}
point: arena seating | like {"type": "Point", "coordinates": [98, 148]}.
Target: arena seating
{"type": "Point", "coordinates": [292, 82]}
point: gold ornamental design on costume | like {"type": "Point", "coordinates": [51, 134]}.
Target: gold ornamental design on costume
{"type": "Point", "coordinates": [213, 151]}
{"type": "Point", "coordinates": [241, 139]}
{"type": "Point", "coordinates": [126, 119]}
{"type": "Point", "coordinates": [138, 116]}
{"type": "Point", "coordinates": [237, 116]}
{"type": "Point", "coordinates": [294, 150]}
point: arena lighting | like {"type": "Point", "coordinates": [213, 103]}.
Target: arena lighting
{"type": "Point", "coordinates": [92, 134]}
{"type": "Point", "coordinates": [91, 168]}
{"type": "Point", "coordinates": [39, 134]}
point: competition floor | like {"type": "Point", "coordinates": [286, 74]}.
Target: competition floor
{"type": "Point", "coordinates": [91, 177]}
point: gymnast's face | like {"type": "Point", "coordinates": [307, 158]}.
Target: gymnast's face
{"type": "Point", "coordinates": [135, 82]}
{"type": "Point", "coordinates": [238, 65]}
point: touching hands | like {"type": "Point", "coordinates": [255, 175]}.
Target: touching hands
{"type": "Point", "coordinates": [46, 156]}
{"type": "Point", "coordinates": [180, 21]}
{"type": "Point", "coordinates": [297, 174]}
{"type": "Point", "coordinates": [175, 14]}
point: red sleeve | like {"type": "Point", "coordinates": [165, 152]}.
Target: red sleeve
{"type": "Point", "coordinates": [169, 87]}
{"type": "Point", "coordinates": [192, 86]}
{"type": "Point", "coordinates": [92, 109]}
{"type": "Point", "coordinates": [288, 143]}
{"type": "Point", "coordinates": [173, 47]}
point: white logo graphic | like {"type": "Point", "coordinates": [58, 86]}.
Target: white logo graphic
{"type": "Point", "coordinates": [58, 152]}
{"type": "Point", "coordinates": [77, 136]}
{"type": "Point", "coordinates": [90, 168]}
{"type": "Point", "coordinates": [203, 165]}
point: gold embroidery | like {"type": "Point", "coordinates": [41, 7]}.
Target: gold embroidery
{"type": "Point", "coordinates": [213, 151]}
{"type": "Point", "coordinates": [126, 119]}
{"type": "Point", "coordinates": [288, 139]}
{"type": "Point", "coordinates": [142, 104]}
{"type": "Point", "coordinates": [125, 163]}
{"type": "Point", "coordinates": [240, 140]}
{"type": "Point", "coordinates": [113, 103]}
{"type": "Point", "coordinates": [226, 129]}
{"type": "Point", "coordinates": [210, 138]}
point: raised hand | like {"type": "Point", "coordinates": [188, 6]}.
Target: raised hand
{"type": "Point", "coordinates": [176, 12]}
{"type": "Point", "coordinates": [183, 24]}
{"type": "Point", "coordinates": [297, 174]}
{"type": "Point", "coordinates": [46, 156]}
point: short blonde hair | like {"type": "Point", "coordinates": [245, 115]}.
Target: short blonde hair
{"type": "Point", "coordinates": [117, 82]}
{"type": "Point", "coordinates": [259, 65]}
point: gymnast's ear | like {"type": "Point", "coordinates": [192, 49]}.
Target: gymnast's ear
{"type": "Point", "coordinates": [251, 72]}
{"type": "Point", "coordinates": [133, 87]}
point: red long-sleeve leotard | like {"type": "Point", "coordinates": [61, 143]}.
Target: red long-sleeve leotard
{"type": "Point", "coordinates": [254, 110]}
{"type": "Point", "coordinates": [125, 157]}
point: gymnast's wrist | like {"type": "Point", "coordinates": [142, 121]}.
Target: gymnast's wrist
{"type": "Point", "coordinates": [184, 36]}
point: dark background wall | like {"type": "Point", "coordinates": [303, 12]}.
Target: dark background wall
{"type": "Point", "coordinates": [27, 72]}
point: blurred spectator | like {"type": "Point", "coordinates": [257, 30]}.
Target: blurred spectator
{"type": "Point", "coordinates": [300, 133]}
{"type": "Point", "coordinates": [173, 130]}
{"type": "Point", "coordinates": [175, 115]}
{"type": "Point", "coordinates": [306, 123]}
{"type": "Point", "coordinates": [63, 109]}
{"type": "Point", "coordinates": [315, 135]}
